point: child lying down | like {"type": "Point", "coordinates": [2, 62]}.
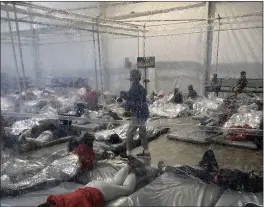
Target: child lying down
{"type": "Point", "coordinates": [80, 158]}
{"type": "Point", "coordinates": [97, 193]}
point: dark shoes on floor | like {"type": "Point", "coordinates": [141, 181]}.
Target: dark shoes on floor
{"type": "Point", "coordinates": [144, 154]}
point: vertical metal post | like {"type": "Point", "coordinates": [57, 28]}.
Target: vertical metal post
{"type": "Point", "coordinates": [99, 56]}
{"type": "Point", "coordinates": [217, 49]}
{"type": "Point", "coordinates": [20, 49]}
{"type": "Point", "coordinates": [144, 55]}
{"type": "Point", "coordinates": [14, 52]}
{"type": "Point", "coordinates": [95, 61]}
{"type": "Point", "coordinates": [138, 43]}
{"type": "Point", "coordinates": [209, 42]}
{"type": "Point", "coordinates": [36, 55]}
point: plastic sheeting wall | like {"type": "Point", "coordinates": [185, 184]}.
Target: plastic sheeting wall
{"type": "Point", "coordinates": [62, 52]}
{"type": "Point", "coordinates": [240, 49]}
{"type": "Point", "coordinates": [180, 58]}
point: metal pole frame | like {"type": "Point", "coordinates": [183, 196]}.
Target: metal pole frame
{"type": "Point", "coordinates": [14, 53]}
{"type": "Point", "coordinates": [20, 50]}
{"type": "Point", "coordinates": [95, 62]}
{"type": "Point", "coordinates": [99, 56]}
{"type": "Point", "coordinates": [209, 41]}
{"type": "Point", "coordinates": [144, 55]}
{"type": "Point", "coordinates": [35, 53]}
{"type": "Point", "coordinates": [217, 49]}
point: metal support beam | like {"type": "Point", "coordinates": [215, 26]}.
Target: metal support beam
{"type": "Point", "coordinates": [210, 7]}
{"type": "Point", "coordinates": [218, 39]}
{"type": "Point", "coordinates": [69, 26]}
{"type": "Point", "coordinates": [35, 55]}
{"type": "Point", "coordinates": [161, 11]}
{"type": "Point", "coordinates": [144, 55]}
{"type": "Point", "coordinates": [95, 62]}
{"type": "Point", "coordinates": [14, 53]}
{"type": "Point", "coordinates": [20, 50]}
{"type": "Point", "coordinates": [99, 57]}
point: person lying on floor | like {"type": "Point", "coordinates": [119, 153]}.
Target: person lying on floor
{"type": "Point", "coordinates": [66, 167]}
{"type": "Point", "coordinates": [97, 193]}
{"type": "Point", "coordinates": [226, 178]}
{"type": "Point", "coordinates": [45, 132]}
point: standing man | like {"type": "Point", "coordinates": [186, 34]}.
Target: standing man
{"type": "Point", "coordinates": [136, 102]}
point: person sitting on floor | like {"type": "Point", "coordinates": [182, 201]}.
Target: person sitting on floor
{"type": "Point", "coordinates": [216, 84]}
{"type": "Point", "coordinates": [226, 178]}
{"type": "Point", "coordinates": [97, 193]}
{"type": "Point", "coordinates": [191, 92]}
{"type": "Point", "coordinates": [91, 98]}
{"type": "Point", "coordinates": [178, 98]}
{"type": "Point", "coordinates": [85, 152]}
{"type": "Point", "coordinates": [241, 83]}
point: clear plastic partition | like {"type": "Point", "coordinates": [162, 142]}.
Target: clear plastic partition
{"type": "Point", "coordinates": [70, 79]}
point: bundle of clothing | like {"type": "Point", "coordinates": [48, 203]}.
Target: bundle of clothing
{"type": "Point", "coordinates": [246, 125]}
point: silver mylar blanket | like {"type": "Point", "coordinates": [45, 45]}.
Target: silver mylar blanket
{"type": "Point", "coordinates": [246, 115]}
{"type": "Point", "coordinates": [164, 108]}
{"type": "Point", "coordinates": [152, 130]}
{"type": "Point", "coordinates": [18, 174]}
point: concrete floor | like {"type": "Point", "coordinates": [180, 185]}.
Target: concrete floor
{"type": "Point", "coordinates": [175, 152]}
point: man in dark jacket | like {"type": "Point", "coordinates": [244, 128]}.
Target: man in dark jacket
{"type": "Point", "coordinates": [136, 102]}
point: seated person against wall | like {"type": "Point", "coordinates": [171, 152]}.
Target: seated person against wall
{"type": "Point", "coordinates": [91, 98]}
{"type": "Point", "coordinates": [191, 92]}
{"type": "Point", "coordinates": [97, 193]}
{"type": "Point", "coordinates": [241, 83]}
{"type": "Point", "coordinates": [216, 84]}
{"type": "Point", "coordinates": [226, 178]}
{"type": "Point", "coordinates": [178, 97]}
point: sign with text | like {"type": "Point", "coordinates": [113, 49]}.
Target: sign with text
{"type": "Point", "coordinates": [146, 62]}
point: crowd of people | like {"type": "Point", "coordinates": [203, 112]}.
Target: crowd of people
{"type": "Point", "coordinates": [96, 193]}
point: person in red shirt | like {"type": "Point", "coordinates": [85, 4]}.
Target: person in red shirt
{"type": "Point", "coordinates": [84, 151]}
{"type": "Point", "coordinates": [91, 98]}
{"type": "Point", "coordinates": [97, 193]}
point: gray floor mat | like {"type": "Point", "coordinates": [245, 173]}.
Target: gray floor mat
{"type": "Point", "coordinates": [191, 134]}
{"type": "Point", "coordinates": [171, 190]}
{"type": "Point", "coordinates": [222, 140]}
{"type": "Point", "coordinates": [233, 198]}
